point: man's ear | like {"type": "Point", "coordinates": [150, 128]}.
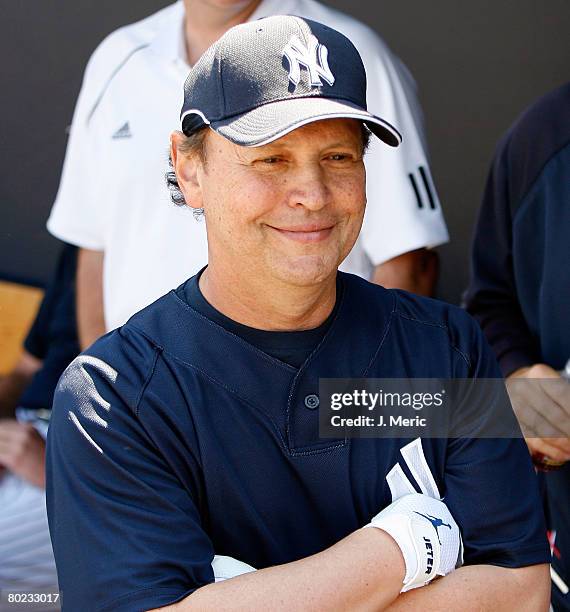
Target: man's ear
{"type": "Point", "coordinates": [186, 167]}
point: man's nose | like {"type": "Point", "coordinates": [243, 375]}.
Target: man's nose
{"type": "Point", "coordinates": [309, 188]}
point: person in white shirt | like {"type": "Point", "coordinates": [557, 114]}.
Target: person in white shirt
{"type": "Point", "coordinates": [112, 201]}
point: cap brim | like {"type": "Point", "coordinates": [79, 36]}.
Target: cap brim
{"type": "Point", "coordinates": [276, 119]}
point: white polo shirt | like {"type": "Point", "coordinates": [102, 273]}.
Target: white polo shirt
{"type": "Point", "coordinates": [112, 196]}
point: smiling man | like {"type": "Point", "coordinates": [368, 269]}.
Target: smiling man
{"type": "Point", "coordinates": [193, 429]}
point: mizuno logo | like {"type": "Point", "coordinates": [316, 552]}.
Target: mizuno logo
{"type": "Point", "coordinates": [436, 522]}
{"type": "Point", "coordinates": [123, 132]}
{"type": "Point", "coordinates": [314, 57]}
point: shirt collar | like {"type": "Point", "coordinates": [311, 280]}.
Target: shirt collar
{"type": "Point", "coordinates": [169, 40]}
{"type": "Point", "coordinates": [274, 7]}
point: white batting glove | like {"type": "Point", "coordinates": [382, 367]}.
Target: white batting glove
{"type": "Point", "coordinates": [228, 567]}
{"type": "Point", "coordinates": [427, 535]}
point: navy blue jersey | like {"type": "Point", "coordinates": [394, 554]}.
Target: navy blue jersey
{"type": "Point", "coordinates": [173, 438]}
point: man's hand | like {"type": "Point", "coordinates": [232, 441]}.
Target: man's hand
{"type": "Point", "coordinates": [22, 451]}
{"type": "Point", "coordinates": [427, 535]}
{"type": "Point", "coordinates": [543, 410]}
{"type": "Point", "coordinates": [13, 384]}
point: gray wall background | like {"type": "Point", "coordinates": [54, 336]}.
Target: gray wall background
{"type": "Point", "coordinates": [477, 65]}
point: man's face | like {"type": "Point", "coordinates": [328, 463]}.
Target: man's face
{"type": "Point", "coordinates": [290, 210]}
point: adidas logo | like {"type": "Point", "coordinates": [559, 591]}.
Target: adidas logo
{"type": "Point", "coordinates": [123, 132]}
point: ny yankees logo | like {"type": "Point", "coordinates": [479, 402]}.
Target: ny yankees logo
{"type": "Point", "coordinates": [314, 57]}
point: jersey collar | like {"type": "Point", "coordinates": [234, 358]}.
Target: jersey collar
{"type": "Point", "coordinates": [351, 345]}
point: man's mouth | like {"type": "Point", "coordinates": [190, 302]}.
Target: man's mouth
{"type": "Point", "coordinates": [305, 233]}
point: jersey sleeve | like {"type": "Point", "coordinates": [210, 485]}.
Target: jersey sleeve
{"type": "Point", "coordinates": [78, 214]}
{"type": "Point", "coordinates": [491, 487]}
{"type": "Point", "coordinates": [403, 211]}
{"type": "Point", "coordinates": [125, 527]}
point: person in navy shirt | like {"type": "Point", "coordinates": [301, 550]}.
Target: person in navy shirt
{"type": "Point", "coordinates": [193, 430]}
{"type": "Point", "coordinates": [520, 291]}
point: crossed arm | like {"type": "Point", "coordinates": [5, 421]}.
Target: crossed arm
{"type": "Point", "coordinates": [365, 571]}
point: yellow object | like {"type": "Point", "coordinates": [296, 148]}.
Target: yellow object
{"type": "Point", "coordinates": [18, 307]}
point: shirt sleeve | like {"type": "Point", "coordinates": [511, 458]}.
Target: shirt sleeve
{"type": "Point", "coordinates": [36, 342]}
{"type": "Point", "coordinates": [403, 211]}
{"type": "Point", "coordinates": [491, 487]}
{"type": "Point", "coordinates": [125, 528]}
{"type": "Point", "coordinates": [38, 338]}
{"type": "Point", "coordinates": [492, 296]}
{"type": "Point", "coordinates": [77, 216]}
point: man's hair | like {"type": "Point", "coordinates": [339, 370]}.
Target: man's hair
{"type": "Point", "coordinates": [191, 145]}
{"type": "Point", "coordinates": [196, 145]}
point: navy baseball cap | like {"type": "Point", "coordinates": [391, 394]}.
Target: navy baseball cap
{"type": "Point", "coordinates": [265, 78]}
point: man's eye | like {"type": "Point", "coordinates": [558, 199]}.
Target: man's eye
{"type": "Point", "coordinates": [339, 157]}
{"type": "Point", "coordinates": [271, 160]}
